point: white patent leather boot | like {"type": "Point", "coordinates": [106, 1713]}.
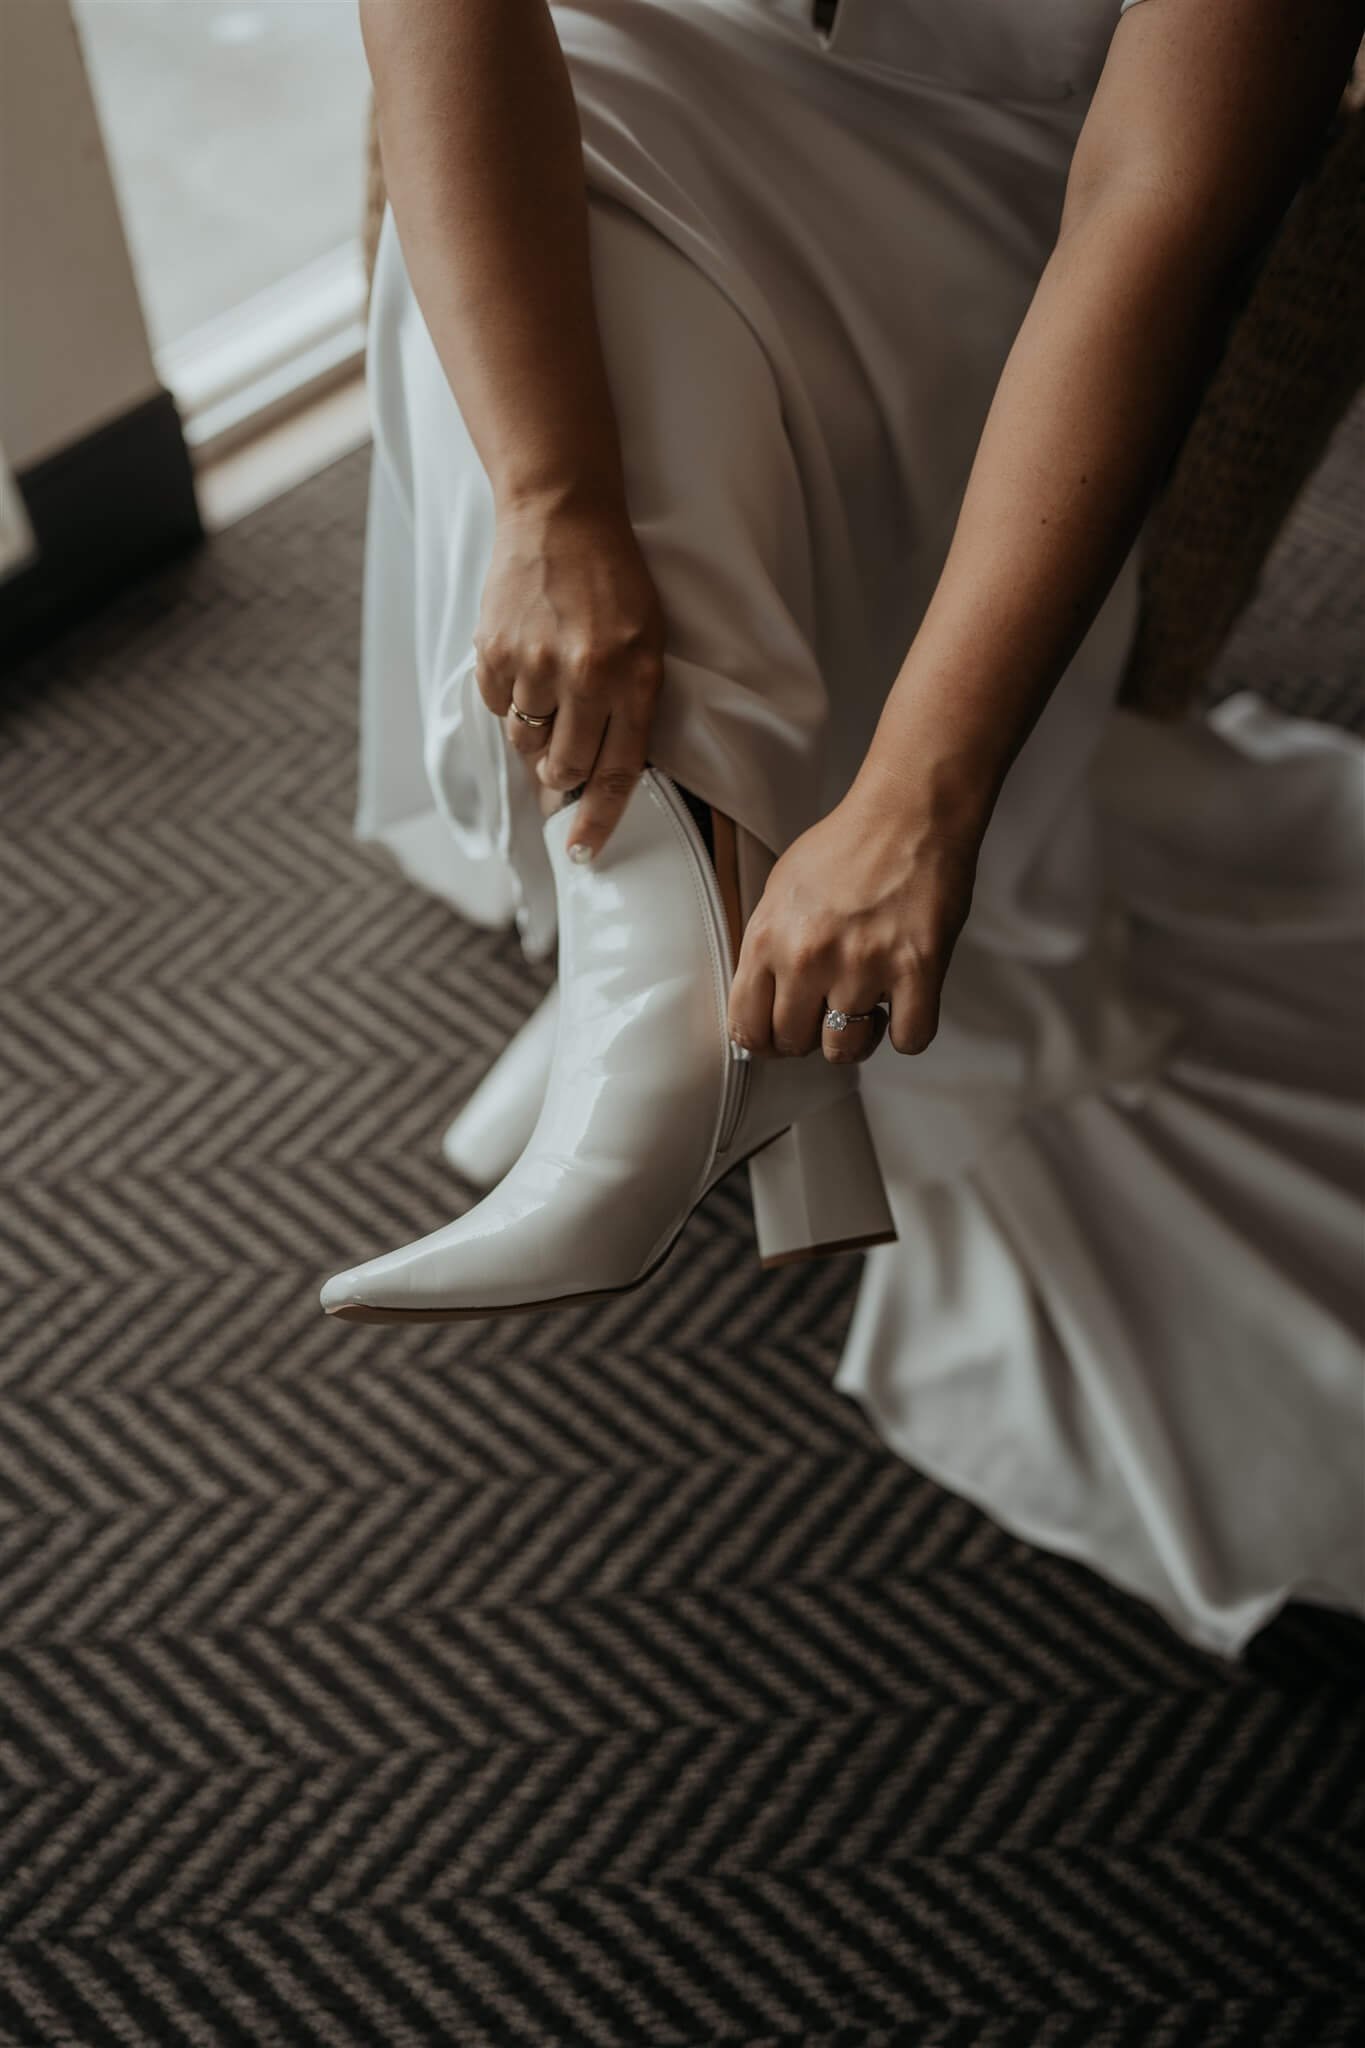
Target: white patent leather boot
{"type": "Point", "coordinates": [493, 1128]}
{"type": "Point", "coordinates": [646, 1107]}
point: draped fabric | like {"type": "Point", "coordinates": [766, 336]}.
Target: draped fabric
{"type": "Point", "coordinates": [1120, 1313]}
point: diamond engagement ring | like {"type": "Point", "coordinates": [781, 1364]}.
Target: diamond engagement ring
{"type": "Point", "coordinates": [529, 717]}
{"type": "Point", "coordinates": [839, 1020]}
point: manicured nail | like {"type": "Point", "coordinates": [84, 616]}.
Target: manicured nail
{"type": "Point", "coordinates": [739, 1049]}
{"type": "Point", "coordinates": [580, 851]}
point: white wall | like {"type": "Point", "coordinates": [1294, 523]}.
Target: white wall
{"type": "Point", "coordinates": [73, 344]}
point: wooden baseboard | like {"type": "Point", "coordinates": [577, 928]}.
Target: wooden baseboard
{"type": "Point", "coordinates": [105, 510]}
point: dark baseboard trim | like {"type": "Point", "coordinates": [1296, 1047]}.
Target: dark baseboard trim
{"type": "Point", "coordinates": [103, 511]}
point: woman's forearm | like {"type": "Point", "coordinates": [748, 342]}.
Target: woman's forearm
{"type": "Point", "coordinates": [1082, 421]}
{"type": "Point", "coordinates": [483, 165]}
{"type": "Point", "coordinates": [1190, 150]}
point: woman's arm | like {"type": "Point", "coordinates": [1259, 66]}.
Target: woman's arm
{"type": "Point", "coordinates": [1197, 133]}
{"type": "Point", "coordinates": [484, 171]}
{"type": "Point", "coordinates": [1194, 141]}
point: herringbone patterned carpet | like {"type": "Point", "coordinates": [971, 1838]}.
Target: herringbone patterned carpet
{"type": "Point", "coordinates": [593, 1679]}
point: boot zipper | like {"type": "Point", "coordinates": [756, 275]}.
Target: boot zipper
{"type": "Point", "coordinates": [736, 1091]}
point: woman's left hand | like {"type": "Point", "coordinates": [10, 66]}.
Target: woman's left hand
{"type": "Point", "coordinates": [862, 909]}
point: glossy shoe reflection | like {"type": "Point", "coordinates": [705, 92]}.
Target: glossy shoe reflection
{"type": "Point", "coordinates": [646, 1107]}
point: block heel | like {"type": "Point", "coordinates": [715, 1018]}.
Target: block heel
{"type": "Point", "coordinates": [818, 1188]}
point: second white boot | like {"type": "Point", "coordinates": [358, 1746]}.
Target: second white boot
{"type": "Point", "coordinates": [486, 1138]}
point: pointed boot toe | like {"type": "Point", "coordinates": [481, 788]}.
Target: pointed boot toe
{"type": "Point", "coordinates": [342, 1291]}
{"type": "Point", "coordinates": [371, 1292]}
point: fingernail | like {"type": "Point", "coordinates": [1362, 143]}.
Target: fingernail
{"type": "Point", "coordinates": [739, 1049]}
{"type": "Point", "coordinates": [580, 851]}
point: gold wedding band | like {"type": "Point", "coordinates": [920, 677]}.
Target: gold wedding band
{"type": "Point", "coordinates": [529, 717]}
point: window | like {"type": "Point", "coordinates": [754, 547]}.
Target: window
{"type": "Point", "coordinates": [236, 137]}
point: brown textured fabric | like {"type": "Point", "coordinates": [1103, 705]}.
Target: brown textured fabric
{"type": "Point", "coordinates": [1293, 361]}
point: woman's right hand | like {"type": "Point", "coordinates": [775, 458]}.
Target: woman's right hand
{"type": "Point", "coordinates": [570, 624]}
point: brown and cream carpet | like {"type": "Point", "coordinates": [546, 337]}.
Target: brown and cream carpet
{"type": "Point", "coordinates": [591, 1679]}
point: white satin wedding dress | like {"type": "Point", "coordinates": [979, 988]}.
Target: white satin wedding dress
{"type": "Point", "coordinates": [1122, 1315]}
